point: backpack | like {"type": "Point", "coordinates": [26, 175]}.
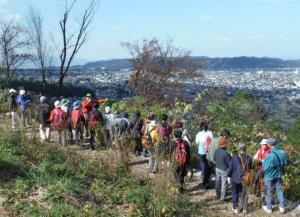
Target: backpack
{"type": "Point", "coordinates": [180, 153]}
{"type": "Point", "coordinates": [92, 120]}
{"type": "Point", "coordinates": [58, 122]}
{"type": "Point", "coordinates": [165, 131]}
{"type": "Point", "coordinates": [75, 115]}
{"type": "Point", "coordinates": [247, 176]}
{"type": "Point", "coordinates": [44, 115]}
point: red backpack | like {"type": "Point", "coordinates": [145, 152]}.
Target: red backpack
{"type": "Point", "coordinates": [58, 121]}
{"type": "Point", "coordinates": [75, 118]}
{"type": "Point", "coordinates": [92, 120]}
{"type": "Point", "coordinates": [180, 153]}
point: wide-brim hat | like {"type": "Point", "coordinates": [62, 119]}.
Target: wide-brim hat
{"type": "Point", "coordinates": [64, 102]}
{"type": "Point", "coordinates": [264, 142]}
{"type": "Point", "coordinates": [88, 95]}
{"type": "Point", "coordinates": [76, 105]}
{"type": "Point", "coordinates": [12, 91]}
{"type": "Point", "coordinates": [57, 104]}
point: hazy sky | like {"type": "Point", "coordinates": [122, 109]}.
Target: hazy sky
{"type": "Point", "coordinates": [207, 27]}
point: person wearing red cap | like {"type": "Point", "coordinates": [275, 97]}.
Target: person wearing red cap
{"type": "Point", "coordinates": [87, 107]}
{"type": "Point", "coordinates": [222, 159]}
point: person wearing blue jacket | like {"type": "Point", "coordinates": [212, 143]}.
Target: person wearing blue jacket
{"type": "Point", "coordinates": [273, 169]}
{"type": "Point", "coordinates": [23, 102]}
{"type": "Point", "coordinates": [239, 164]}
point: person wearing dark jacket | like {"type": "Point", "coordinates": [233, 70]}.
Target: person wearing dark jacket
{"type": "Point", "coordinates": [136, 125]}
{"type": "Point", "coordinates": [222, 159]}
{"type": "Point", "coordinates": [95, 117]}
{"type": "Point", "coordinates": [239, 165]}
{"type": "Point", "coordinates": [181, 150]}
{"type": "Point", "coordinates": [12, 107]}
{"type": "Point", "coordinates": [42, 115]}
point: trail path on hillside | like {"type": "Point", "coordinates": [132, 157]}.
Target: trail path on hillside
{"type": "Point", "coordinates": [204, 198]}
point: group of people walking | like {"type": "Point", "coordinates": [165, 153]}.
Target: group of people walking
{"type": "Point", "coordinates": [161, 142]}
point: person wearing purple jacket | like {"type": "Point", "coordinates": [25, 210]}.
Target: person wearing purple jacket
{"type": "Point", "coordinates": [24, 102]}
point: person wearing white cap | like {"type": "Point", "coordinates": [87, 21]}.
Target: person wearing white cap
{"type": "Point", "coordinates": [24, 102]}
{"type": "Point", "coordinates": [13, 106]}
{"type": "Point", "coordinates": [58, 118]}
{"type": "Point", "coordinates": [262, 153]}
{"type": "Point", "coordinates": [42, 116]}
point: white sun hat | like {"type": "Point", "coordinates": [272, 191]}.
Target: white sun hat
{"type": "Point", "coordinates": [22, 92]}
{"type": "Point", "coordinates": [264, 142]}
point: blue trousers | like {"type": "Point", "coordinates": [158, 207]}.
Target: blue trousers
{"type": "Point", "coordinates": [238, 189]}
{"type": "Point", "coordinates": [269, 185]}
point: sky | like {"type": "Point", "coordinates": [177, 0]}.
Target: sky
{"type": "Point", "coordinates": [214, 28]}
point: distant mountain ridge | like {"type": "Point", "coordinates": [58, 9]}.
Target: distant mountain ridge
{"type": "Point", "coordinates": [218, 63]}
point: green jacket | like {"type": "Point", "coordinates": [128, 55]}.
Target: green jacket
{"type": "Point", "coordinates": [274, 164]}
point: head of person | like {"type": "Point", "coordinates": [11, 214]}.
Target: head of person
{"type": "Point", "coordinates": [57, 104]}
{"type": "Point", "coordinates": [178, 134]}
{"type": "Point", "coordinates": [151, 117]}
{"type": "Point", "coordinates": [222, 142]}
{"type": "Point", "coordinates": [242, 148]}
{"type": "Point", "coordinates": [42, 99]}
{"type": "Point", "coordinates": [88, 96]}
{"type": "Point", "coordinates": [272, 142]}
{"type": "Point", "coordinates": [107, 110]}
{"type": "Point", "coordinates": [125, 115]}
{"type": "Point", "coordinates": [96, 107]}
{"type": "Point", "coordinates": [64, 102]}
{"type": "Point", "coordinates": [22, 92]}
{"type": "Point", "coordinates": [203, 126]}
{"type": "Point", "coordinates": [12, 91]}
{"type": "Point", "coordinates": [137, 114]}
{"type": "Point", "coordinates": [76, 105]}
{"type": "Point", "coordinates": [225, 134]}
{"type": "Point", "coordinates": [264, 143]}
{"type": "Point", "coordinates": [164, 117]}
{"type": "Point", "coordinates": [178, 124]}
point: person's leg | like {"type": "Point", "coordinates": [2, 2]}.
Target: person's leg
{"type": "Point", "coordinates": [244, 198]}
{"type": "Point", "coordinates": [268, 187]}
{"type": "Point", "coordinates": [59, 137]}
{"type": "Point", "coordinates": [47, 128]}
{"type": "Point", "coordinates": [235, 194]}
{"type": "Point", "coordinates": [64, 137]}
{"type": "Point", "coordinates": [74, 135]}
{"type": "Point", "coordinates": [13, 120]}
{"type": "Point", "coordinates": [218, 184]}
{"type": "Point", "coordinates": [42, 133]}
{"type": "Point", "coordinates": [206, 172]}
{"type": "Point", "coordinates": [201, 164]}
{"type": "Point", "coordinates": [280, 195]}
{"type": "Point", "coordinates": [224, 178]}
{"type": "Point", "coordinates": [26, 121]}
{"type": "Point", "coordinates": [92, 139]}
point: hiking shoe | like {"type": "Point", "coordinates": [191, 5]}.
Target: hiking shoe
{"type": "Point", "coordinates": [245, 211]}
{"type": "Point", "coordinates": [235, 210]}
{"type": "Point", "coordinates": [281, 210]}
{"type": "Point", "coordinates": [265, 208]}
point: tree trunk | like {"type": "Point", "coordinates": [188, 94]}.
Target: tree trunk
{"type": "Point", "coordinates": [44, 82]}
{"type": "Point", "coordinates": [60, 84]}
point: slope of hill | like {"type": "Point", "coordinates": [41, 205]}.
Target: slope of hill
{"type": "Point", "coordinates": [225, 63]}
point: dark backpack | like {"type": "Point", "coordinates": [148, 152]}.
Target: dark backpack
{"type": "Point", "coordinates": [180, 153]}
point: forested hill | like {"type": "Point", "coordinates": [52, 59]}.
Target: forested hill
{"type": "Point", "coordinates": [225, 63]}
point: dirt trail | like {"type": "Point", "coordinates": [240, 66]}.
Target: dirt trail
{"type": "Point", "coordinates": [204, 198]}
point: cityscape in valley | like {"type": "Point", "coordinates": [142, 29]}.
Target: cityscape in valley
{"type": "Point", "coordinates": [277, 88]}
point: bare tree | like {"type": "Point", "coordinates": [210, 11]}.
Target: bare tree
{"type": "Point", "coordinates": [73, 41]}
{"type": "Point", "coordinates": [40, 49]}
{"type": "Point", "coordinates": [160, 70]}
{"type": "Point", "coordinates": [12, 48]}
